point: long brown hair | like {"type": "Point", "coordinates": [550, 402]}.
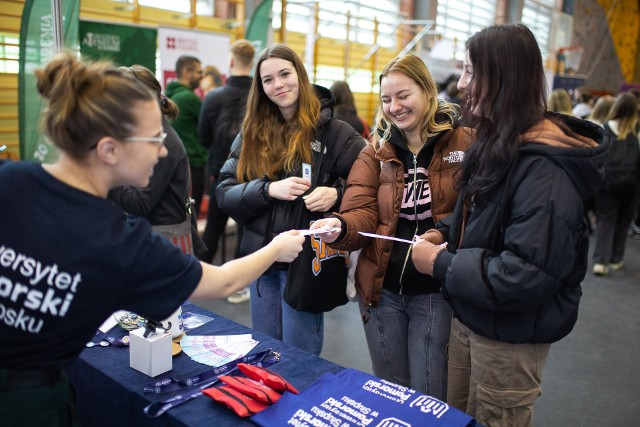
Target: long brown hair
{"type": "Point", "coordinates": [413, 67]}
{"type": "Point", "coordinates": [508, 82]}
{"type": "Point", "coordinates": [269, 143]}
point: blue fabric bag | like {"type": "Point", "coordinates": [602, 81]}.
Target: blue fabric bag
{"type": "Point", "coordinates": [354, 398]}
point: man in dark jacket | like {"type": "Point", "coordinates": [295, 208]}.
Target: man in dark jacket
{"type": "Point", "coordinates": [189, 73]}
{"type": "Point", "coordinates": [220, 120]}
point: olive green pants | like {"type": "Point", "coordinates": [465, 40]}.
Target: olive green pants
{"type": "Point", "coordinates": [493, 381]}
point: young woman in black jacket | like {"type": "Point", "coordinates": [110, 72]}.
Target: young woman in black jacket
{"type": "Point", "coordinates": [512, 255]}
{"type": "Point", "coordinates": [287, 123]}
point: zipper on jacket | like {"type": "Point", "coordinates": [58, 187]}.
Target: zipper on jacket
{"type": "Point", "coordinates": [415, 216]}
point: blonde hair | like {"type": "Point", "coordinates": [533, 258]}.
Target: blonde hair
{"type": "Point", "coordinates": [86, 101]}
{"type": "Point", "coordinates": [601, 109]}
{"type": "Point", "coordinates": [243, 52]}
{"type": "Point", "coordinates": [413, 67]}
{"type": "Point", "coordinates": [269, 144]}
{"type": "Point", "coordinates": [625, 112]}
{"type": "Point", "coordinates": [560, 102]}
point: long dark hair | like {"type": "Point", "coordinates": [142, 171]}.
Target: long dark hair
{"type": "Point", "coordinates": [509, 85]}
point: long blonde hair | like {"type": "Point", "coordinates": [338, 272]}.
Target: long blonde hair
{"type": "Point", "coordinates": [625, 112]}
{"type": "Point", "coordinates": [560, 102]}
{"type": "Point", "coordinates": [270, 144]}
{"type": "Point", "coordinates": [413, 67]}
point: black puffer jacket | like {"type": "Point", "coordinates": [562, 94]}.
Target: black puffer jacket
{"type": "Point", "coordinates": [521, 283]}
{"type": "Point", "coordinates": [335, 149]}
{"type": "Point", "coordinates": [221, 118]}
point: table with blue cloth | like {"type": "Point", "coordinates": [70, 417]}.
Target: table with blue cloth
{"type": "Point", "coordinates": [110, 393]}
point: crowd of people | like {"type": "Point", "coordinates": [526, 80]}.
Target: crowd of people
{"type": "Point", "coordinates": [465, 308]}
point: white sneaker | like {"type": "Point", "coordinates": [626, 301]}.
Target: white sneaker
{"type": "Point", "coordinates": [615, 266]}
{"type": "Point", "coordinates": [239, 297]}
{"type": "Point", "coordinates": [600, 269]}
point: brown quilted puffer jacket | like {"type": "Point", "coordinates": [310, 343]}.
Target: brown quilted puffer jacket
{"type": "Point", "coordinates": [373, 198]}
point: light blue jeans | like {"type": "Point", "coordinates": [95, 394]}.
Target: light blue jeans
{"type": "Point", "coordinates": [407, 337]}
{"type": "Point", "coordinates": [274, 317]}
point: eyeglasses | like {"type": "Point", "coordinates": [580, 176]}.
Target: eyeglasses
{"type": "Point", "coordinates": [157, 139]}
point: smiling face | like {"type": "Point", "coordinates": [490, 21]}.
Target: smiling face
{"type": "Point", "coordinates": [280, 83]}
{"type": "Point", "coordinates": [140, 157]}
{"type": "Point", "coordinates": [403, 102]}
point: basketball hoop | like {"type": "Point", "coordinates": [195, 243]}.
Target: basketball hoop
{"type": "Point", "coordinates": [568, 59]}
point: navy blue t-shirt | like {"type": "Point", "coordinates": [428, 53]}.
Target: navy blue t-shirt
{"type": "Point", "coordinates": [68, 260]}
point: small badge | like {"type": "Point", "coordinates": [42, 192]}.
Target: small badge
{"type": "Point", "coordinates": [306, 171]}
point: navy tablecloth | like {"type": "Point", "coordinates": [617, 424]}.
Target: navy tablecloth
{"type": "Point", "coordinates": [110, 393]}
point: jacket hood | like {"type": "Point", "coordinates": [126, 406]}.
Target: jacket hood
{"type": "Point", "coordinates": [175, 87]}
{"type": "Point", "coordinates": [397, 139]}
{"type": "Point", "coordinates": [582, 156]}
{"type": "Point", "coordinates": [327, 101]}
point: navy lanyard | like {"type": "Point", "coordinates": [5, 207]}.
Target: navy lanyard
{"type": "Point", "coordinates": [203, 380]}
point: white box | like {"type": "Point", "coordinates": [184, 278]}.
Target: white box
{"type": "Point", "coordinates": [151, 355]}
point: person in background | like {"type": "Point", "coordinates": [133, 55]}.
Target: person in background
{"type": "Point", "coordinates": [345, 108]}
{"type": "Point", "coordinates": [601, 109]}
{"type": "Point", "coordinates": [287, 123]}
{"type": "Point", "coordinates": [108, 130]}
{"type": "Point", "coordinates": [513, 253]}
{"type": "Point", "coordinates": [165, 201]}
{"type": "Point", "coordinates": [560, 102]}
{"type": "Point", "coordinates": [599, 116]}
{"type": "Point", "coordinates": [220, 120]}
{"type": "Point", "coordinates": [616, 199]}
{"type": "Point", "coordinates": [400, 186]}
{"type": "Point", "coordinates": [584, 103]}
{"type": "Point", "coordinates": [211, 79]}
{"type": "Point", "coordinates": [453, 94]}
{"type": "Point", "coordinates": [181, 91]}
{"type": "Point", "coordinates": [635, 226]}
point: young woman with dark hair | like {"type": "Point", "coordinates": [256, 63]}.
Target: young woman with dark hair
{"type": "Point", "coordinates": [345, 108]}
{"type": "Point", "coordinates": [287, 123]}
{"type": "Point", "coordinates": [165, 202]}
{"type": "Point", "coordinates": [512, 255]}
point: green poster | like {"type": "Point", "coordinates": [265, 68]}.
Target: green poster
{"type": "Point", "coordinates": [36, 48]}
{"type": "Point", "coordinates": [258, 29]}
{"type": "Point", "coordinates": [122, 44]}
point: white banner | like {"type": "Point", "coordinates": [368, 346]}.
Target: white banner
{"type": "Point", "coordinates": [209, 48]}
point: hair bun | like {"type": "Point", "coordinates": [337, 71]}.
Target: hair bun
{"type": "Point", "coordinates": [57, 69]}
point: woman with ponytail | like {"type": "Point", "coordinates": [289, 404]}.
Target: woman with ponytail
{"type": "Point", "coordinates": [67, 258]}
{"type": "Point", "coordinates": [165, 202]}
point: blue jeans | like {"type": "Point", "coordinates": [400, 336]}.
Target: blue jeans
{"type": "Point", "coordinates": [407, 337]}
{"type": "Point", "coordinates": [274, 317]}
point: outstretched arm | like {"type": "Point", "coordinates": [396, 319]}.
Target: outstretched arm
{"type": "Point", "coordinates": [222, 281]}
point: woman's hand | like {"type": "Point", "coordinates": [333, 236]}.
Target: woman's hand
{"type": "Point", "coordinates": [328, 223]}
{"type": "Point", "coordinates": [288, 189]}
{"type": "Point", "coordinates": [289, 245]}
{"type": "Point", "coordinates": [423, 255]}
{"type": "Point", "coordinates": [321, 199]}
